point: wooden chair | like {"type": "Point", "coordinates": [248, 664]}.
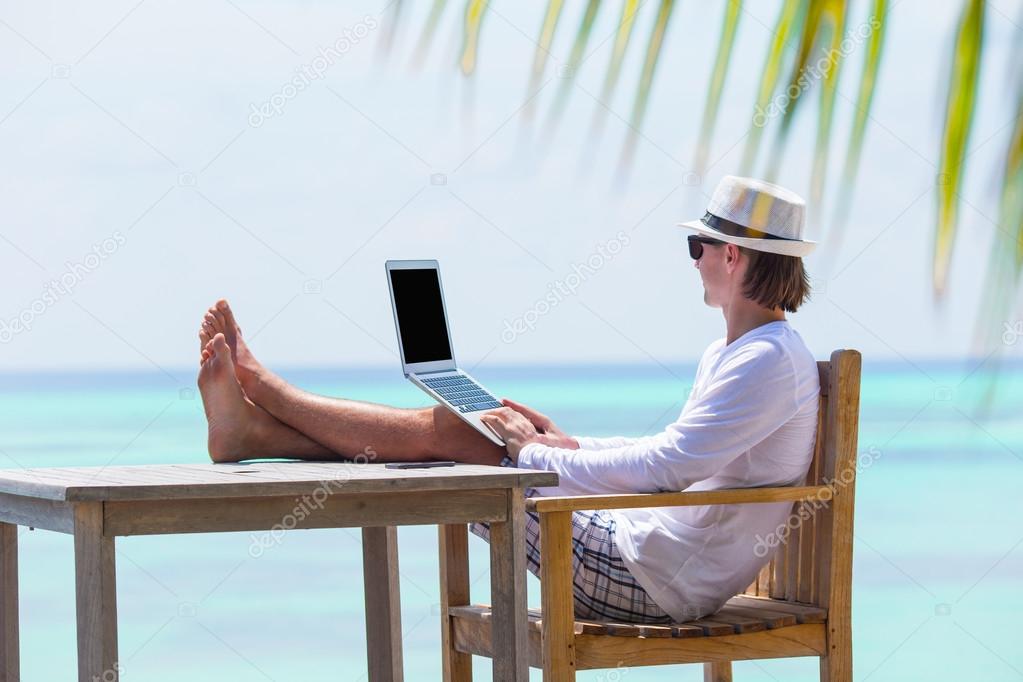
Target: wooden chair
{"type": "Point", "coordinates": [799, 604]}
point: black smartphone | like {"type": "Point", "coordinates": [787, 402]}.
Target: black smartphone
{"type": "Point", "coordinates": [417, 465]}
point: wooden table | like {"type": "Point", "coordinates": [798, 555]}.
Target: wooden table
{"type": "Point", "coordinates": [98, 504]}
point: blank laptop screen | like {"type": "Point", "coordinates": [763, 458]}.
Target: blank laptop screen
{"type": "Point", "coordinates": [420, 310]}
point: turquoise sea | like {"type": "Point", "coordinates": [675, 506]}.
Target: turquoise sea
{"type": "Point", "coordinates": [938, 573]}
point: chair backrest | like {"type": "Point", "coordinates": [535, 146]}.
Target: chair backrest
{"type": "Point", "coordinates": [813, 561]}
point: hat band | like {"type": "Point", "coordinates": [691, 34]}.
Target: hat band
{"type": "Point", "coordinates": [737, 230]}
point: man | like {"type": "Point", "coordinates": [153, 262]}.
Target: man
{"type": "Point", "coordinates": [750, 421]}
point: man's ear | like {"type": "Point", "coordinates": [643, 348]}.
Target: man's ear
{"type": "Point", "coordinates": [732, 257]}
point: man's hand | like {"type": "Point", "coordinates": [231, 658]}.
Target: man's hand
{"type": "Point", "coordinates": [518, 425]}
{"type": "Point", "coordinates": [553, 436]}
{"type": "Point", "coordinates": [514, 429]}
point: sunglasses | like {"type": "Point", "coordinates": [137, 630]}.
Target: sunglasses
{"type": "Point", "coordinates": [696, 243]}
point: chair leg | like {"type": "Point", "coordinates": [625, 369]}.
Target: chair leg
{"type": "Point", "coordinates": [454, 591]}
{"type": "Point", "coordinates": [557, 604]}
{"type": "Point", "coordinates": [837, 667]}
{"type": "Point", "coordinates": [717, 672]}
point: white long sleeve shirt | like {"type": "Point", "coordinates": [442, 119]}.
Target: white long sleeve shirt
{"type": "Point", "coordinates": [750, 421]}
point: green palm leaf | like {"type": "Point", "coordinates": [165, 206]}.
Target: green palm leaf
{"type": "Point", "coordinates": [833, 20]}
{"type": "Point", "coordinates": [543, 51]}
{"type": "Point", "coordinates": [864, 99]}
{"type": "Point", "coordinates": [622, 36]}
{"type": "Point", "coordinates": [646, 79]}
{"type": "Point", "coordinates": [386, 43]}
{"type": "Point", "coordinates": [1012, 190]}
{"type": "Point", "coordinates": [429, 29]}
{"type": "Point", "coordinates": [582, 38]}
{"type": "Point", "coordinates": [799, 82]}
{"type": "Point", "coordinates": [962, 95]}
{"type": "Point", "coordinates": [717, 82]}
{"type": "Point", "coordinates": [474, 12]}
{"type": "Point", "coordinates": [790, 19]}
{"type": "Point", "coordinates": [995, 321]}
{"type": "Point", "coordinates": [1006, 260]}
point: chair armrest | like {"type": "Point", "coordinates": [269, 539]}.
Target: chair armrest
{"type": "Point", "coordinates": [680, 499]}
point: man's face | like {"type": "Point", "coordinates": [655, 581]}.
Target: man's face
{"type": "Point", "coordinates": [717, 266]}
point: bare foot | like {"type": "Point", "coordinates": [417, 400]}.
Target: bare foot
{"type": "Point", "coordinates": [220, 319]}
{"type": "Point", "coordinates": [205, 338]}
{"type": "Point", "coordinates": [234, 422]}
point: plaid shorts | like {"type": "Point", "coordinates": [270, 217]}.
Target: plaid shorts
{"type": "Point", "coordinates": [603, 587]}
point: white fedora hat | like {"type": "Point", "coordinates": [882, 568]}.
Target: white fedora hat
{"type": "Point", "coordinates": [755, 214]}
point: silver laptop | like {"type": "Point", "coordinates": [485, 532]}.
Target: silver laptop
{"type": "Point", "coordinates": [424, 340]}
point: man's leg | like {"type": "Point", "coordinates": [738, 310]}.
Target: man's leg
{"type": "Point", "coordinates": [348, 427]}
{"type": "Point", "coordinates": [393, 434]}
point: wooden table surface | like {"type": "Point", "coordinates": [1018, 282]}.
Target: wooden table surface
{"type": "Point", "coordinates": [262, 479]}
{"type": "Point", "coordinates": [98, 504]}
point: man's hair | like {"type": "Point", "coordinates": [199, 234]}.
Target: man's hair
{"type": "Point", "coordinates": [775, 281]}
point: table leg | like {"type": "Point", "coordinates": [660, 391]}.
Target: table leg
{"type": "Point", "coordinates": [383, 603]}
{"type": "Point", "coordinates": [96, 596]}
{"type": "Point", "coordinates": [9, 663]}
{"type": "Point", "coordinates": [508, 592]}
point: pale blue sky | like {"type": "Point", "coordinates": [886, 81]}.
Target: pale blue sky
{"type": "Point", "coordinates": [130, 120]}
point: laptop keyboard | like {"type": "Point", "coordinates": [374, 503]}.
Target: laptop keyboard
{"type": "Point", "coordinates": [462, 393]}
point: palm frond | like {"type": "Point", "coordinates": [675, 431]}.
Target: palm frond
{"type": "Point", "coordinates": [646, 78]}
{"type": "Point", "coordinates": [429, 30]}
{"type": "Point", "coordinates": [833, 21]}
{"type": "Point", "coordinates": [1005, 265]}
{"type": "Point", "coordinates": [582, 38]}
{"type": "Point", "coordinates": [799, 82]}
{"type": "Point", "coordinates": [1012, 189]}
{"type": "Point", "coordinates": [717, 82]}
{"type": "Point", "coordinates": [793, 12]}
{"type": "Point", "coordinates": [390, 30]}
{"type": "Point", "coordinates": [543, 51]}
{"type": "Point", "coordinates": [864, 99]}
{"type": "Point", "coordinates": [474, 13]}
{"type": "Point", "coordinates": [962, 95]}
{"type": "Point", "coordinates": [995, 320]}
{"type": "Point", "coordinates": [614, 70]}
